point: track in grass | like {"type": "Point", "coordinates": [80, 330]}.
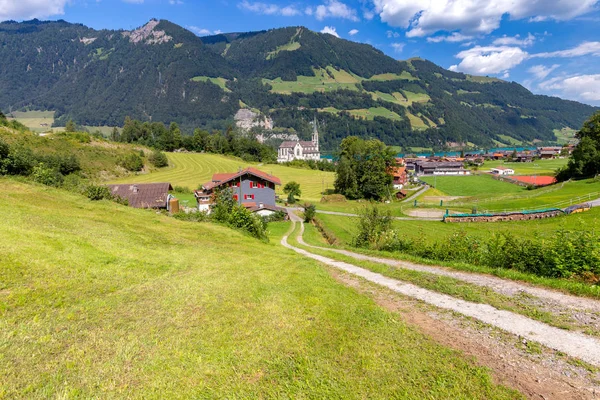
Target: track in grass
{"type": "Point", "coordinates": [194, 169]}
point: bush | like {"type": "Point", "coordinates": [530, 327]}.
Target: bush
{"type": "Point", "coordinates": [182, 189]}
{"type": "Point", "coordinates": [132, 162]}
{"type": "Point", "coordinates": [158, 159]}
{"type": "Point", "coordinates": [275, 217]}
{"type": "Point", "coordinates": [20, 161]}
{"type": "Point", "coordinates": [243, 219]}
{"type": "Point", "coordinates": [46, 175]}
{"type": "Point", "coordinates": [309, 212]}
{"type": "Point", "coordinates": [326, 233]}
{"type": "Point", "coordinates": [333, 198]}
{"type": "Point", "coordinates": [200, 216]}
{"type": "Point", "coordinates": [95, 193]}
{"type": "Point", "coordinates": [372, 224]}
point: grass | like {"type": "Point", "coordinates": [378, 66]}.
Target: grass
{"type": "Point", "coordinates": [416, 122]}
{"type": "Point", "coordinates": [193, 169]}
{"type": "Point", "coordinates": [539, 167]}
{"type": "Point", "coordinates": [286, 47]}
{"type": "Point", "coordinates": [473, 185]}
{"type": "Point", "coordinates": [446, 285]}
{"type": "Point", "coordinates": [100, 300]}
{"type": "Point", "coordinates": [565, 135]}
{"type": "Point", "coordinates": [392, 77]}
{"type": "Point", "coordinates": [221, 82]}
{"type": "Point", "coordinates": [321, 82]}
{"type": "Point", "coordinates": [37, 121]}
{"type": "Point", "coordinates": [345, 228]}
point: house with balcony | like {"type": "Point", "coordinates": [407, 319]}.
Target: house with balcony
{"type": "Point", "coordinates": [250, 187]}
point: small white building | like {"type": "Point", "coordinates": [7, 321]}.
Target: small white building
{"type": "Point", "coordinates": [298, 150]}
{"type": "Point", "coordinates": [502, 171]}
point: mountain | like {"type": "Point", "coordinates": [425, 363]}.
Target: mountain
{"type": "Point", "coordinates": [162, 72]}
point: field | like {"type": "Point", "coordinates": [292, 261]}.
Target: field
{"type": "Point", "coordinates": [102, 301]}
{"type": "Point", "coordinates": [474, 185]}
{"type": "Point", "coordinates": [217, 81]}
{"type": "Point", "coordinates": [37, 121]}
{"type": "Point", "coordinates": [193, 169]}
{"type": "Point", "coordinates": [321, 82]}
{"type": "Point", "coordinates": [539, 167]}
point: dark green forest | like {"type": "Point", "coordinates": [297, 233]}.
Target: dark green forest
{"type": "Point", "coordinates": [98, 78]}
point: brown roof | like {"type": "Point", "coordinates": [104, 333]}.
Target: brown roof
{"type": "Point", "coordinates": [291, 144]}
{"type": "Point", "coordinates": [219, 179]}
{"type": "Point", "coordinates": [143, 195]}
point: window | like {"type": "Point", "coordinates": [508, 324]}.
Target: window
{"type": "Point", "coordinates": [253, 185]}
{"type": "Point", "coordinates": [248, 197]}
{"type": "Point", "coordinates": [235, 197]}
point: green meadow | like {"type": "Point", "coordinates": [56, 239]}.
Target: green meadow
{"type": "Point", "coordinates": [193, 169]}
{"type": "Point", "coordinates": [98, 300]}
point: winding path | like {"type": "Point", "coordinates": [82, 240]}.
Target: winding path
{"type": "Point", "coordinates": [575, 344]}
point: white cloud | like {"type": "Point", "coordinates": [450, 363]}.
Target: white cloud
{"type": "Point", "coordinates": [353, 32]}
{"type": "Point", "coordinates": [335, 9]}
{"type": "Point", "coordinates": [269, 8]}
{"type": "Point", "coordinates": [541, 71]}
{"type": "Point", "coordinates": [425, 17]}
{"type": "Point", "coordinates": [331, 30]}
{"type": "Point", "coordinates": [27, 9]}
{"type": "Point", "coordinates": [392, 34]}
{"type": "Point", "coordinates": [489, 60]}
{"type": "Point", "coordinates": [515, 40]}
{"type": "Point", "coordinates": [578, 87]}
{"type": "Point", "coordinates": [398, 47]}
{"type": "Point", "coordinates": [453, 38]}
{"type": "Point", "coordinates": [199, 31]}
{"type": "Point", "coordinates": [584, 49]}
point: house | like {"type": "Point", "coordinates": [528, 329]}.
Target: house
{"type": "Point", "coordinates": [422, 167]}
{"type": "Point", "coordinates": [400, 177]}
{"type": "Point", "coordinates": [144, 195]}
{"type": "Point", "coordinates": [549, 152]}
{"type": "Point", "coordinates": [250, 187]}
{"type": "Point", "coordinates": [502, 171]}
{"type": "Point", "coordinates": [524, 157]}
{"type": "Point", "coordinates": [299, 150]}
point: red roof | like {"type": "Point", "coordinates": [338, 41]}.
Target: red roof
{"type": "Point", "coordinates": [219, 179]}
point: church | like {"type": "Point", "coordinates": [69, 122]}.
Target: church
{"type": "Point", "coordinates": [297, 150]}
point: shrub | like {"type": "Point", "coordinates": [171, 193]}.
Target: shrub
{"type": "Point", "coordinates": [158, 159]}
{"type": "Point", "coordinates": [182, 189]}
{"type": "Point", "coordinates": [132, 162]}
{"type": "Point", "coordinates": [20, 161]}
{"type": "Point", "coordinates": [371, 224]}
{"type": "Point", "coordinates": [326, 233]}
{"type": "Point", "coordinates": [309, 212]}
{"type": "Point", "coordinates": [200, 216]}
{"type": "Point", "coordinates": [275, 217]}
{"type": "Point", "coordinates": [95, 192]}
{"type": "Point", "coordinates": [243, 219]}
{"type": "Point", "coordinates": [333, 198]}
{"type": "Point", "coordinates": [45, 175]}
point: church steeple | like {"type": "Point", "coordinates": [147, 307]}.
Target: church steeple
{"type": "Point", "coordinates": [315, 136]}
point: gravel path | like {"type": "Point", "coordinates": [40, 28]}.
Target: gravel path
{"type": "Point", "coordinates": [574, 344]}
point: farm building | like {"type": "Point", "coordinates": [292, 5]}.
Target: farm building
{"type": "Point", "coordinates": [502, 171]}
{"type": "Point", "coordinates": [399, 174]}
{"type": "Point", "coordinates": [144, 195]}
{"type": "Point", "coordinates": [423, 167]}
{"type": "Point", "coordinates": [250, 187]}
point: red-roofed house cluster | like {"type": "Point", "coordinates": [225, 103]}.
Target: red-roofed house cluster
{"type": "Point", "coordinates": [250, 187]}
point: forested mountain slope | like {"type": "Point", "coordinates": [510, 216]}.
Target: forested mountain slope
{"type": "Point", "coordinates": [162, 72]}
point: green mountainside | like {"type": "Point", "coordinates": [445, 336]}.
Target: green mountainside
{"type": "Point", "coordinates": [162, 72]}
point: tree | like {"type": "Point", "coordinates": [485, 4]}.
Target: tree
{"type": "Point", "coordinates": [158, 159]}
{"type": "Point", "coordinates": [292, 189]}
{"type": "Point", "coordinates": [70, 127]}
{"type": "Point", "coordinates": [363, 169]}
{"type": "Point", "coordinates": [115, 136]}
{"type": "Point", "coordinates": [585, 160]}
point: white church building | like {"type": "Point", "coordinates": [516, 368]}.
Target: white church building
{"type": "Point", "coordinates": [298, 150]}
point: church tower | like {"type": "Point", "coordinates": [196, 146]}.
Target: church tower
{"type": "Point", "coordinates": [315, 136]}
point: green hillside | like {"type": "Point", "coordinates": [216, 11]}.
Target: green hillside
{"type": "Point", "coordinates": [192, 169]}
{"type": "Point", "coordinates": [163, 72]}
{"type": "Point", "coordinates": [101, 300]}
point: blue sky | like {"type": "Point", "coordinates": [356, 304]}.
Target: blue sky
{"type": "Point", "coordinates": [550, 46]}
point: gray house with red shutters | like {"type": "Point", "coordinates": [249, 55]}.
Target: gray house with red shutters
{"type": "Point", "coordinates": [250, 187]}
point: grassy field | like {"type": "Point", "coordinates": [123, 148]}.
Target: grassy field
{"type": "Point", "coordinates": [539, 167]}
{"type": "Point", "coordinates": [325, 80]}
{"type": "Point", "coordinates": [217, 81]}
{"type": "Point", "coordinates": [392, 77]}
{"type": "Point", "coordinates": [98, 300]}
{"type": "Point", "coordinates": [192, 169]}
{"type": "Point", "coordinates": [474, 185]}
{"type": "Point", "coordinates": [37, 121]}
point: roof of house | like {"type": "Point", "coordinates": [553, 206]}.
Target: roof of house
{"type": "Point", "coordinates": [291, 144]}
{"type": "Point", "coordinates": [143, 195]}
{"type": "Point", "coordinates": [502, 169]}
{"type": "Point", "coordinates": [219, 179]}
{"type": "Point", "coordinates": [269, 207]}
